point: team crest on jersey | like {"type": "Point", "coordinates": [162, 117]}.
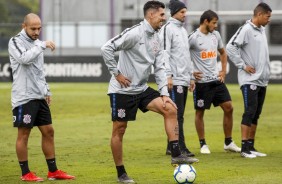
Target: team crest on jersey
{"type": "Point", "coordinates": [253, 87]}
{"type": "Point", "coordinates": [121, 113]}
{"type": "Point", "coordinates": [179, 89]}
{"type": "Point", "coordinates": [200, 103]}
{"type": "Point", "coordinates": [27, 119]}
{"type": "Point", "coordinates": [214, 41]}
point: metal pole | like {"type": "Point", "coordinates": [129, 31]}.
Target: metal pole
{"type": "Point", "coordinates": [112, 19]}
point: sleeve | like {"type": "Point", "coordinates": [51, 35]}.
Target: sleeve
{"type": "Point", "coordinates": [166, 39]}
{"type": "Point", "coordinates": [190, 42]}
{"type": "Point", "coordinates": [238, 41]}
{"type": "Point", "coordinates": [160, 73]}
{"type": "Point", "coordinates": [220, 43]}
{"type": "Point", "coordinates": [23, 55]}
{"type": "Point", "coordinates": [124, 41]}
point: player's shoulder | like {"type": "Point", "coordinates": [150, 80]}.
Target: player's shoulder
{"type": "Point", "coordinates": [193, 34]}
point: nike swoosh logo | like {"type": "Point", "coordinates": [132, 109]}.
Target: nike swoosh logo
{"type": "Point", "coordinates": [141, 43]}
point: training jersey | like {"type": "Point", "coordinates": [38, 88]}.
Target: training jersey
{"type": "Point", "coordinates": [177, 56]}
{"type": "Point", "coordinates": [140, 50]}
{"type": "Point", "coordinates": [26, 58]}
{"type": "Point", "coordinates": [248, 46]}
{"type": "Point", "coordinates": [203, 50]}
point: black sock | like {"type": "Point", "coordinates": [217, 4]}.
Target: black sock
{"type": "Point", "coordinates": [251, 143]}
{"type": "Point", "coordinates": [52, 164]}
{"type": "Point", "coordinates": [202, 142]}
{"type": "Point", "coordinates": [228, 141]}
{"type": "Point", "coordinates": [120, 170]}
{"type": "Point", "coordinates": [245, 146]}
{"type": "Point", "coordinates": [24, 167]}
{"type": "Point", "coordinates": [175, 150]}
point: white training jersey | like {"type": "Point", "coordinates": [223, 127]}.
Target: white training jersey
{"type": "Point", "coordinates": [203, 50]}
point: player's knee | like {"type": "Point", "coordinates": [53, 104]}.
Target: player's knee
{"type": "Point", "coordinates": [170, 111]}
{"type": "Point", "coordinates": [247, 119]}
{"type": "Point", "coordinates": [228, 108]}
{"type": "Point", "coordinates": [121, 130]}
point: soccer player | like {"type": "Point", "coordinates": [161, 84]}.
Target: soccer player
{"type": "Point", "coordinates": [205, 43]}
{"type": "Point", "coordinates": [140, 49]}
{"type": "Point", "coordinates": [178, 65]}
{"type": "Point", "coordinates": [31, 97]}
{"type": "Point", "coordinates": [248, 50]}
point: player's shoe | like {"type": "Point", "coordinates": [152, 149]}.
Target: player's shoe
{"type": "Point", "coordinates": [125, 179]}
{"type": "Point", "coordinates": [247, 154]}
{"type": "Point", "coordinates": [182, 159]}
{"type": "Point", "coordinates": [258, 154]}
{"type": "Point", "coordinates": [31, 177]}
{"type": "Point", "coordinates": [59, 175]}
{"type": "Point", "coordinates": [205, 149]}
{"type": "Point", "coordinates": [187, 152]}
{"type": "Point", "coordinates": [232, 147]}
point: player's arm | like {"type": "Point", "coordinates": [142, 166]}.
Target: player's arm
{"type": "Point", "coordinates": [23, 55]}
{"type": "Point", "coordinates": [196, 75]}
{"type": "Point", "coordinates": [238, 41]}
{"type": "Point", "coordinates": [166, 39]}
{"type": "Point", "coordinates": [120, 42]}
{"type": "Point", "coordinates": [223, 59]}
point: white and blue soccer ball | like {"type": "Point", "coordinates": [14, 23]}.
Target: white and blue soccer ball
{"type": "Point", "coordinates": [184, 174]}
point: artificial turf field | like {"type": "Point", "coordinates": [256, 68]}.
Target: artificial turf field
{"type": "Point", "coordinates": [81, 118]}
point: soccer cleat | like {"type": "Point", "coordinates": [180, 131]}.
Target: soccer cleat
{"type": "Point", "coordinates": [205, 149]}
{"type": "Point", "coordinates": [182, 159]}
{"type": "Point", "coordinates": [232, 147]}
{"type": "Point", "coordinates": [187, 152]}
{"type": "Point", "coordinates": [125, 179]}
{"type": "Point", "coordinates": [258, 154]}
{"type": "Point", "coordinates": [31, 177]}
{"type": "Point", "coordinates": [59, 175]}
{"type": "Point", "coordinates": [247, 154]}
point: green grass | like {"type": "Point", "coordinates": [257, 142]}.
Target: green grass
{"type": "Point", "coordinates": [81, 118]}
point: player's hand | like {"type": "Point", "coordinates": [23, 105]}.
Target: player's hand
{"type": "Point", "coordinates": [50, 44]}
{"type": "Point", "coordinates": [250, 69]}
{"type": "Point", "coordinates": [166, 99]}
{"type": "Point", "coordinates": [221, 76]}
{"type": "Point", "coordinates": [169, 83]}
{"type": "Point", "coordinates": [48, 100]}
{"type": "Point", "coordinates": [192, 86]}
{"type": "Point", "coordinates": [198, 75]}
{"type": "Point", "coordinates": [124, 82]}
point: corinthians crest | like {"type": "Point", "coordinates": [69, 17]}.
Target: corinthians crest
{"type": "Point", "coordinates": [179, 89]}
{"type": "Point", "coordinates": [121, 113]}
{"type": "Point", "coordinates": [200, 103]}
{"type": "Point", "coordinates": [27, 119]}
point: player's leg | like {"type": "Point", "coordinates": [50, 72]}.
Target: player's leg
{"type": "Point", "coordinates": [179, 97]}
{"type": "Point", "coordinates": [23, 116]}
{"type": "Point", "coordinates": [203, 95]}
{"type": "Point", "coordinates": [118, 132]}
{"type": "Point", "coordinates": [124, 109]}
{"type": "Point", "coordinates": [44, 123]}
{"type": "Point", "coordinates": [251, 139]}
{"type": "Point", "coordinates": [169, 113]}
{"type": "Point", "coordinates": [223, 99]}
{"type": "Point", "coordinates": [249, 93]}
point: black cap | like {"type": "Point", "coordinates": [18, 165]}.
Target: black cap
{"type": "Point", "coordinates": [175, 6]}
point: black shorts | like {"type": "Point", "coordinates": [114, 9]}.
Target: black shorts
{"type": "Point", "coordinates": [214, 92]}
{"type": "Point", "coordinates": [253, 102]}
{"type": "Point", "coordinates": [124, 107]}
{"type": "Point", "coordinates": [33, 113]}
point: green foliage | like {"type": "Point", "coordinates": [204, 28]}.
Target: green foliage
{"type": "Point", "coordinates": [12, 13]}
{"type": "Point", "coordinates": [81, 118]}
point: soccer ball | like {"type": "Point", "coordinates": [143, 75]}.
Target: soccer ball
{"type": "Point", "coordinates": [184, 174]}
